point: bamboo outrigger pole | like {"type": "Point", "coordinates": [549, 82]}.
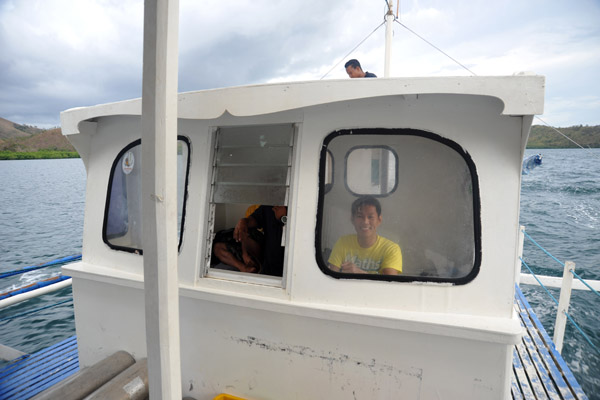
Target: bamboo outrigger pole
{"type": "Point", "coordinates": [159, 197]}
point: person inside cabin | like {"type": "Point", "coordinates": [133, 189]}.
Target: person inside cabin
{"type": "Point", "coordinates": [243, 256]}
{"type": "Point", "coordinates": [354, 70]}
{"type": "Point", "coordinates": [255, 244]}
{"type": "Point", "coordinates": [366, 252]}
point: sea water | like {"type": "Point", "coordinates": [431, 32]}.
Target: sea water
{"type": "Point", "coordinates": [41, 219]}
{"type": "Point", "coordinates": [560, 209]}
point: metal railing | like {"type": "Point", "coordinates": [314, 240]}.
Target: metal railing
{"type": "Point", "coordinates": [26, 292]}
{"type": "Point", "coordinates": [38, 288]}
{"type": "Point", "coordinates": [566, 285]}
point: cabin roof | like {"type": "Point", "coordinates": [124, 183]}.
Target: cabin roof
{"type": "Point", "coordinates": [520, 94]}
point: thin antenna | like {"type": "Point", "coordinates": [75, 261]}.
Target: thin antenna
{"type": "Point", "coordinates": [435, 47]}
{"type": "Point", "coordinates": [350, 52]}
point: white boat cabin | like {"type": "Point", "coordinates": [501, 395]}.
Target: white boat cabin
{"type": "Point", "coordinates": [441, 155]}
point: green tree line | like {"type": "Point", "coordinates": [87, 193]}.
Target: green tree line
{"type": "Point", "coordinates": [37, 155]}
{"type": "Point", "coordinates": [541, 137]}
{"type": "Point", "coordinates": [544, 137]}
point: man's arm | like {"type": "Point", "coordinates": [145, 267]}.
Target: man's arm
{"type": "Point", "coordinates": [241, 228]}
{"type": "Point", "coordinates": [347, 267]}
{"type": "Point", "coordinates": [389, 271]}
{"type": "Point", "coordinates": [350, 268]}
{"type": "Point", "coordinates": [334, 267]}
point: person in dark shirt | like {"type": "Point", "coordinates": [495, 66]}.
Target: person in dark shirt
{"type": "Point", "coordinates": [354, 70]}
{"type": "Point", "coordinates": [260, 252]}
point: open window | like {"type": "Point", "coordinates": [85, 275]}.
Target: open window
{"type": "Point", "coordinates": [252, 167]}
{"type": "Point", "coordinates": [427, 190]}
{"type": "Point", "coordinates": [122, 228]}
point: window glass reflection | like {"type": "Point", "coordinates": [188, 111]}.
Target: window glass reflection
{"type": "Point", "coordinates": [428, 200]}
{"type": "Point", "coordinates": [123, 214]}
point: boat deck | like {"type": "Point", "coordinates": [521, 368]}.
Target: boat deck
{"type": "Point", "coordinates": [539, 371]}
{"type": "Point", "coordinates": [31, 374]}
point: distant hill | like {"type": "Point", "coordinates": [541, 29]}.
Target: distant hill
{"type": "Point", "coordinates": [21, 141]}
{"type": "Point", "coordinates": [10, 130]}
{"type": "Point", "coordinates": [543, 137]}
{"type": "Point", "coordinates": [26, 142]}
{"type": "Point", "coordinates": [51, 139]}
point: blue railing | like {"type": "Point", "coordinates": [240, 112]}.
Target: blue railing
{"type": "Point", "coordinates": [58, 261]}
{"type": "Point", "coordinates": [15, 295]}
{"type": "Point", "coordinates": [568, 267]}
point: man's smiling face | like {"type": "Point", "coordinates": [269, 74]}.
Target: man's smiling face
{"type": "Point", "coordinates": [366, 221]}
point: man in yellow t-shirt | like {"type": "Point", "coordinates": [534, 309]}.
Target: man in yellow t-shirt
{"type": "Point", "coordinates": [366, 252]}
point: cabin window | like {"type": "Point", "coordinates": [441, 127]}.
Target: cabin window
{"type": "Point", "coordinates": [328, 182]}
{"type": "Point", "coordinates": [371, 170]}
{"type": "Point", "coordinates": [251, 168]}
{"type": "Point", "coordinates": [426, 189]}
{"type": "Point", "coordinates": [123, 213]}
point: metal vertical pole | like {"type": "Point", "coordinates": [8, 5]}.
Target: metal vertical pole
{"type": "Point", "coordinates": [519, 255]}
{"type": "Point", "coordinates": [389, 19]}
{"type": "Point", "coordinates": [563, 305]}
{"type": "Point", "coordinates": [159, 196]}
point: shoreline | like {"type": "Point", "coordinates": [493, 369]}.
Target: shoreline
{"type": "Point", "coordinates": [38, 155]}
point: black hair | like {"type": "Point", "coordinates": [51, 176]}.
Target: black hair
{"type": "Point", "coordinates": [366, 201]}
{"type": "Point", "coordinates": [354, 63]}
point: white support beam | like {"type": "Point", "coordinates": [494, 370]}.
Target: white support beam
{"type": "Point", "coordinates": [159, 196]}
{"type": "Point", "coordinates": [557, 282]}
{"type": "Point", "coordinates": [563, 305]}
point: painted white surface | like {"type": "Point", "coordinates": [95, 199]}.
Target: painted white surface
{"type": "Point", "coordinates": [274, 353]}
{"type": "Point", "coordinates": [521, 95]}
{"type": "Point", "coordinates": [267, 341]}
{"type": "Point", "coordinates": [159, 197]}
{"type": "Point", "coordinates": [557, 282]}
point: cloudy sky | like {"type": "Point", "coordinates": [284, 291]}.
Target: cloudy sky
{"type": "Point", "coordinates": [59, 54]}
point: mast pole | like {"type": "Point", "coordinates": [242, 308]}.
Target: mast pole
{"type": "Point", "coordinates": [389, 19]}
{"type": "Point", "coordinates": [159, 197]}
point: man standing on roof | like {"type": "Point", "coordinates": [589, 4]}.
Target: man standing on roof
{"type": "Point", "coordinates": [354, 70]}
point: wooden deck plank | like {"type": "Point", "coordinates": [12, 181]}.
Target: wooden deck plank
{"type": "Point", "coordinates": [555, 375]}
{"type": "Point", "coordinates": [532, 372]}
{"type": "Point", "coordinates": [531, 346]}
{"type": "Point", "coordinates": [50, 381]}
{"type": "Point", "coordinates": [36, 365]}
{"type": "Point", "coordinates": [515, 389]}
{"type": "Point", "coordinates": [29, 375]}
{"type": "Point", "coordinates": [555, 380]}
{"type": "Point", "coordinates": [21, 362]}
{"type": "Point", "coordinates": [36, 375]}
{"type": "Point", "coordinates": [521, 377]}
